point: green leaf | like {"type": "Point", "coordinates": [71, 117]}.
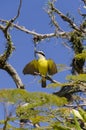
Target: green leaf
{"type": "Point", "coordinates": [54, 85]}
{"type": "Point", "coordinates": [33, 98]}
{"type": "Point", "coordinates": [83, 113]}
{"type": "Point", "coordinates": [76, 123]}
{"type": "Point", "coordinates": [56, 126]}
{"type": "Point", "coordinates": [77, 114]}
{"type": "Point", "coordinates": [81, 55]}
{"type": "Point", "coordinates": [39, 105]}
{"type": "Point", "coordinates": [80, 77]}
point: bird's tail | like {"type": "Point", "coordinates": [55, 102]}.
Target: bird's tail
{"type": "Point", "coordinates": [43, 82]}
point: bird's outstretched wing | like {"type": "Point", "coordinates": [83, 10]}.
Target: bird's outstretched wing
{"type": "Point", "coordinates": [31, 68]}
{"type": "Point", "coordinates": [52, 68]}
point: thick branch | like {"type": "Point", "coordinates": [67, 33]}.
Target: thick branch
{"type": "Point", "coordinates": [12, 72]}
{"type": "Point", "coordinates": [73, 87]}
{"type": "Point", "coordinates": [5, 123]}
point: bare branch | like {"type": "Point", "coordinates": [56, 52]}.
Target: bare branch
{"type": "Point", "coordinates": [9, 23]}
{"type": "Point", "coordinates": [75, 106]}
{"type": "Point", "coordinates": [18, 12]}
{"type": "Point", "coordinates": [5, 123]}
{"type": "Point", "coordinates": [65, 18]}
{"type": "Point", "coordinates": [83, 15]}
{"type": "Point", "coordinates": [41, 36]}
{"type": "Point", "coordinates": [12, 72]}
{"type": "Point", "coordinates": [53, 20]}
{"type": "Point", "coordinates": [48, 78]}
{"type": "Point", "coordinates": [66, 45]}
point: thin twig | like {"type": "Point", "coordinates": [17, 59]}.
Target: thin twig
{"type": "Point", "coordinates": [74, 106]}
{"type": "Point", "coordinates": [18, 12]}
{"type": "Point", "coordinates": [84, 15]}
{"type": "Point", "coordinates": [5, 123]}
{"type": "Point", "coordinates": [65, 18]}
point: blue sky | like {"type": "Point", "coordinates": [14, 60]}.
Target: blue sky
{"type": "Point", "coordinates": [34, 17]}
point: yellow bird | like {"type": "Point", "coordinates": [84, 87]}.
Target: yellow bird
{"type": "Point", "coordinates": [41, 65]}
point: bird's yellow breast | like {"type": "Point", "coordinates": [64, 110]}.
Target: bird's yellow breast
{"type": "Point", "coordinates": [43, 66]}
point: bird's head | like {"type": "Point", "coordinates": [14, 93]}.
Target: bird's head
{"type": "Point", "coordinates": [40, 54]}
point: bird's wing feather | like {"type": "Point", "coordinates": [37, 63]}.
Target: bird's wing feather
{"type": "Point", "coordinates": [52, 68]}
{"type": "Point", "coordinates": [31, 67]}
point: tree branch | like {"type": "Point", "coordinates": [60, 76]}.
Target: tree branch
{"type": "Point", "coordinates": [4, 57]}
{"type": "Point", "coordinates": [48, 78]}
{"type": "Point", "coordinates": [9, 46]}
{"type": "Point", "coordinates": [12, 72]}
{"type": "Point", "coordinates": [5, 123]}
{"type": "Point", "coordinates": [65, 18]}
{"type": "Point", "coordinates": [83, 15]}
{"type": "Point", "coordinates": [8, 51]}
{"type": "Point", "coordinates": [70, 88]}
{"type": "Point", "coordinates": [18, 12]}
{"type": "Point", "coordinates": [75, 106]}
{"type": "Point", "coordinates": [41, 36]}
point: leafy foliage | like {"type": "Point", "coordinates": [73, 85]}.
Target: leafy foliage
{"type": "Point", "coordinates": [35, 106]}
{"type": "Point", "coordinates": [34, 99]}
{"type": "Point", "coordinates": [80, 77]}
{"type": "Point", "coordinates": [81, 55]}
